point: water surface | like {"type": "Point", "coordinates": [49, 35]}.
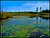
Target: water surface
{"type": "Point", "coordinates": [23, 26]}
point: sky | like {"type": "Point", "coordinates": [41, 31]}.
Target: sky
{"type": "Point", "coordinates": [15, 6]}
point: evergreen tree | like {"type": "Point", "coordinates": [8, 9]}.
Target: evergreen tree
{"type": "Point", "coordinates": [37, 9]}
{"type": "Point", "coordinates": [40, 9]}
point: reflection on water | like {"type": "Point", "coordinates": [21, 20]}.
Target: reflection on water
{"type": "Point", "coordinates": [25, 27]}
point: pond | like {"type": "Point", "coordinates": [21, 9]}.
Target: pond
{"type": "Point", "coordinates": [23, 26]}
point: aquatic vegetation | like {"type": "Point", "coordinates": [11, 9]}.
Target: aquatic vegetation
{"type": "Point", "coordinates": [25, 27]}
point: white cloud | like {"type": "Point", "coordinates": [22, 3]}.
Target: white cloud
{"type": "Point", "coordinates": [28, 4]}
{"type": "Point", "coordinates": [39, 4]}
{"type": "Point", "coordinates": [44, 5]}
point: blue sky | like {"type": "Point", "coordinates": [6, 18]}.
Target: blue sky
{"type": "Point", "coordinates": [15, 6]}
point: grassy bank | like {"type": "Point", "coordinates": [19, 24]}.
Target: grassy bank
{"type": "Point", "coordinates": [6, 15]}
